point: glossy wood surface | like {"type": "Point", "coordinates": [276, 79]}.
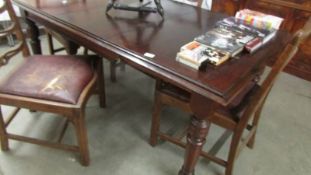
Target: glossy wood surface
{"type": "Point", "coordinates": [129, 35]}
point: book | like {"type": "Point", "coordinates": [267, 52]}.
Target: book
{"type": "Point", "coordinates": [190, 64]}
{"type": "Point", "coordinates": [259, 20]}
{"type": "Point", "coordinates": [195, 54]}
{"type": "Point", "coordinates": [191, 54]}
{"type": "Point", "coordinates": [259, 36]}
{"type": "Point", "coordinates": [253, 45]}
{"type": "Point", "coordinates": [222, 39]}
{"type": "Point", "coordinates": [242, 36]}
{"type": "Point", "coordinates": [215, 56]}
{"type": "Point", "coordinates": [191, 46]}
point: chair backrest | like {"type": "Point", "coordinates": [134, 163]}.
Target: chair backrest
{"type": "Point", "coordinates": [256, 99]}
{"type": "Point", "coordinates": [13, 29]}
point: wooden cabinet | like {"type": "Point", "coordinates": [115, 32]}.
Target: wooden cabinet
{"type": "Point", "coordinates": [295, 14]}
{"type": "Point", "coordinates": [225, 6]}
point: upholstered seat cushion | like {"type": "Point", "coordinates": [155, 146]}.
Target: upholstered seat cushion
{"type": "Point", "coordinates": [54, 78]}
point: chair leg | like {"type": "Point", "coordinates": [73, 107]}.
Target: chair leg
{"type": "Point", "coordinates": [50, 43]}
{"type": "Point", "coordinates": [233, 152]}
{"type": "Point", "coordinates": [257, 114]}
{"type": "Point", "coordinates": [85, 51]}
{"type": "Point", "coordinates": [155, 124]}
{"type": "Point", "coordinates": [79, 123]}
{"type": "Point", "coordinates": [113, 66]}
{"type": "Point", "coordinates": [3, 134]}
{"type": "Point", "coordinates": [101, 83]}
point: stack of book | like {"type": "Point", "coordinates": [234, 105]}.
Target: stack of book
{"type": "Point", "coordinates": [249, 30]}
{"type": "Point", "coordinates": [257, 36]}
{"type": "Point", "coordinates": [195, 55]}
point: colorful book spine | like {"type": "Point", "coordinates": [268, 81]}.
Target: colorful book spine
{"type": "Point", "coordinates": [259, 20]}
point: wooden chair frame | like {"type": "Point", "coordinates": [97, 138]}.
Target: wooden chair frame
{"type": "Point", "coordinates": [250, 107]}
{"type": "Point", "coordinates": [74, 113]}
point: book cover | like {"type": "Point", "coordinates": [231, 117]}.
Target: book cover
{"type": "Point", "coordinates": [262, 35]}
{"type": "Point", "coordinates": [193, 53]}
{"type": "Point", "coordinates": [190, 46]}
{"type": "Point", "coordinates": [253, 45]}
{"type": "Point", "coordinates": [222, 39]}
{"type": "Point", "coordinates": [242, 35]}
{"type": "Point", "coordinates": [215, 56]}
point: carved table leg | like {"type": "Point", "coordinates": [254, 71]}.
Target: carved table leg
{"type": "Point", "coordinates": [195, 140]}
{"type": "Point", "coordinates": [203, 109]}
{"type": "Point", "coordinates": [33, 32]}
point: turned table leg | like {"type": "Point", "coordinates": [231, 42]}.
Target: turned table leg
{"type": "Point", "coordinates": [195, 140]}
{"type": "Point", "coordinates": [203, 109]}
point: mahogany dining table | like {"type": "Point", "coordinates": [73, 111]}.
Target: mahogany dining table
{"type": "Point", "coordinates": [128, 35]}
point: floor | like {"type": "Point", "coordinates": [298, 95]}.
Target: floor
{"type": "Point", "coordinates": [118, 135]}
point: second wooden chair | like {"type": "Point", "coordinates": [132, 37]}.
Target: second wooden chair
{"type": "Point", "coordinates": [234, 117]}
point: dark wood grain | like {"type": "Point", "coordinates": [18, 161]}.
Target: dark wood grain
{"type": "Point", "coordinates": [129, 35]}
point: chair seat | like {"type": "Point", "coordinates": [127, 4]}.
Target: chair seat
{"type": "Point", "coordinates": [174, 91]}
{"type": "Point", "coordinates": [54, 78]}
{"type": "Point", "coordinates": [185, 96]}
{"type": "Point", "coordinates": [231, 113]}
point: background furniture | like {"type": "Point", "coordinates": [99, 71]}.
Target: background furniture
{"type": "Point", "coordinates": [235, 117]}
{"type": "Point", "coordinates": [5, 22]}
{"type": "Point", "coordinates": [46, 83]}
{"type": "Point", "coordinates": [182, 23]}
{"type": "Point", "coordinates": [295, 14]}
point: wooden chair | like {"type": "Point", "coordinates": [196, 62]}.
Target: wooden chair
{"type": "Point", "coordinates": [235, 117]}
{"type": "Point", "coordinates": [57, 84]}
{"type": "Point", "coordinates": [71, 48]}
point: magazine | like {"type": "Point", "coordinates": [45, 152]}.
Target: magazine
{"type": "Point", "coordinates": [259, 20]}
{"type": "Point", "coordinates": [259, 36]}
{"type": "Point", "coordinates": [223, 39]}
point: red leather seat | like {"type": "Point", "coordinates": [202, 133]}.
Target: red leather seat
{"type": "Point", "coordinates": [62, 82]}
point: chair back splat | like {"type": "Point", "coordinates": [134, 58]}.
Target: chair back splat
{"type": "Point", "coordinates": [280, 63]}
{"type": "Point", "coordinates": [14, 28]}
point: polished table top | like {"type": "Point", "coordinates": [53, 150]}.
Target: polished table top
{"type": "Point", "coordinates": [130, 35]}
